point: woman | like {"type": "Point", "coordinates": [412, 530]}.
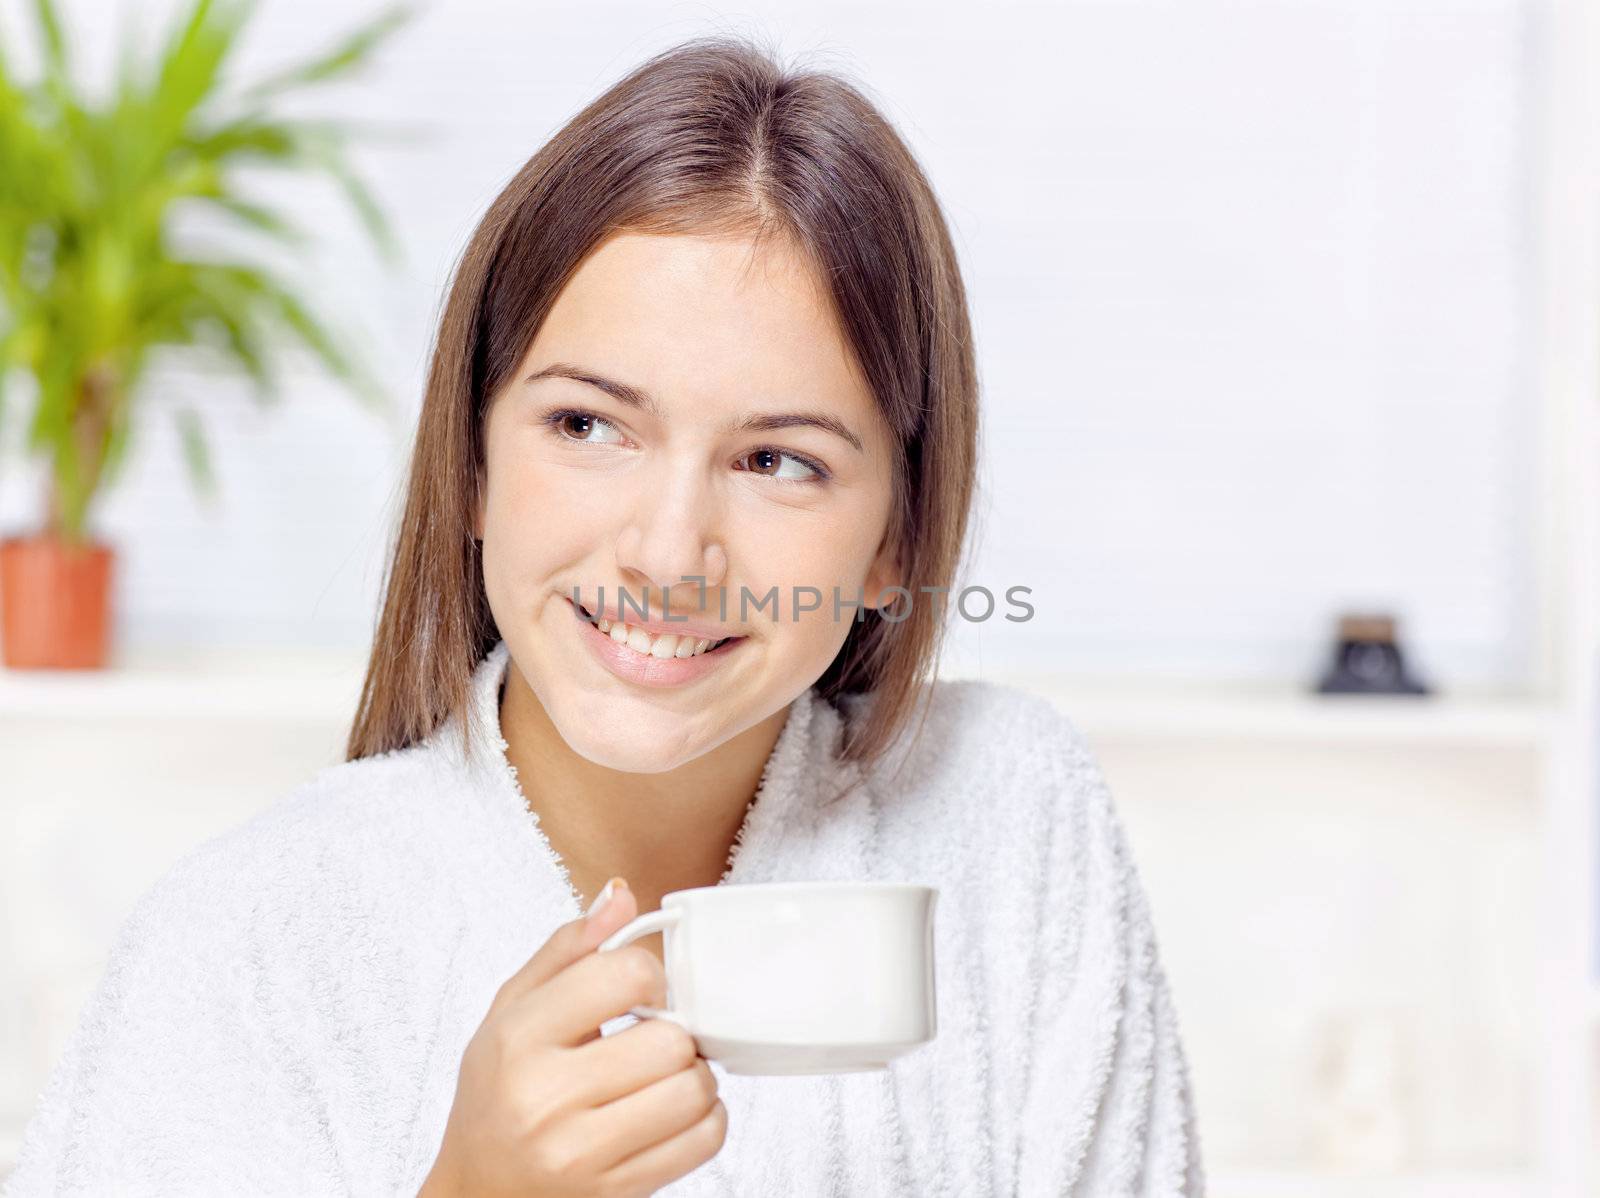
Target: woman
{"type": "Point", "coordinates": [710, 343]}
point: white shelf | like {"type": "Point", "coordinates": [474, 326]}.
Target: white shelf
{"type": "Point", "coordinates": [1265, 712]}
{"type": "Point", "coordinates": [300, 687]}
{"type": "Point", "coordinates": [315, 686]}
{"type": "Point", "coordinates": [322, 686]}
{"type": "Point", "coordinates": [1289, 1184]}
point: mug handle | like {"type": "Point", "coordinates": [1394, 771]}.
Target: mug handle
{"type": "Point", "coordinates": [643, 925]}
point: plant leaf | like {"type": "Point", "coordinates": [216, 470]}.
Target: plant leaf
{"type": "Point", "coordinates": [54, 46]}
{"type": "Point", "coordinates": [208, 297]}
{"type": "Point", "coordinates": [191, 65]}
{"type": "Point", "coordinates": [262, 219]}
{"type": "Point", "coordinates": [195, 454]}
{"type": "Point", "coordinates": [89, 279]}
{"type": "Point", "coordinates": [117, 439]}
{"type": "Point", "coordinates": [372, 217]}
{"type": "Point", "coordinates": [348, 54]}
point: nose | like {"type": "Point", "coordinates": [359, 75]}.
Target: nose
{"type": "Point", "coordinates": [672, 539]}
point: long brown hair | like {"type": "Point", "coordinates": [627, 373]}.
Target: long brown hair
{"type": "Point", "coordinates": [711, 136]}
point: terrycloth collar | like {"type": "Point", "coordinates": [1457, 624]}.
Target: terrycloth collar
{"type": "Point", "coordinates": [800, 775]}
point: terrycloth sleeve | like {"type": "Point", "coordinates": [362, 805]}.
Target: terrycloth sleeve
{"type": "Point", "coordinates": [1108, 1107]}
{"type": "Point", "coordinates": [183, 1075]}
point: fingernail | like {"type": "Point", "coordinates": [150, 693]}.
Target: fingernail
{"type": "Point", "coordinates": [601, 899]}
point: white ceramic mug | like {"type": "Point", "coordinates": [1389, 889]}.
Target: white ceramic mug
{"type": "Point", "coordinates": [796, 977]}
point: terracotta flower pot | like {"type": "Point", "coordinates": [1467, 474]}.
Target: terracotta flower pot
{"type": "Point", "coordinates": [55, 603]}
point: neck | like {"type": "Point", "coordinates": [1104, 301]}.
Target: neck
{"type": "Point", "coordinates": [662, 832]}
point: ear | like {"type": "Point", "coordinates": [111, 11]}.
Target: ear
{"type": "Point", "coordinates": [885, 572]}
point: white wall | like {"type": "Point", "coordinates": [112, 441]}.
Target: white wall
{"type": "Point", "coordinates": [1254, 335]}
{"type": "Point", "coordinates": [1246, 284]}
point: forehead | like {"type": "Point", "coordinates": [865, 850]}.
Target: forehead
{"type": "Point", "coordinates": [713, 317]}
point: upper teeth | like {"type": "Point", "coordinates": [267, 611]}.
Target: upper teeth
{"type": "Point", "coordinates": [664, 645]}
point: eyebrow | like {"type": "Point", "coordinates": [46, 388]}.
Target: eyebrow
{"type": "Point", "coordinates": [634, 397]}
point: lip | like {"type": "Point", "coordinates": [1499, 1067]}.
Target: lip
{"type": "Point", "coordinates": [710, 632]}
{"type": "Point", "coordinates": [633, 666]}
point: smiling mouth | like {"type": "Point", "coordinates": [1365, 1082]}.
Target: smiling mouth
{"type": "Point", "coordinates": [662, 646]}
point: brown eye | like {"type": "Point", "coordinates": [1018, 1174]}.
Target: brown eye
{"type": "Point", "coordinates": [583, 427]}
{"type": "Point", "coordinates": [770, 462]}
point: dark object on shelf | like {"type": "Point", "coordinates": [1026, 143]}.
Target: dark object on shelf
{"type": "Point", "coordinates": [1367, 660]}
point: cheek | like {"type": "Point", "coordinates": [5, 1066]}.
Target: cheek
{"type": "Point", "coordinates": [541, 519]}
{"type": "Point", "coordinates": [833, 555]}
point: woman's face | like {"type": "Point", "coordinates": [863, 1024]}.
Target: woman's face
{"type": "Point", "coordinates": [686, 457]}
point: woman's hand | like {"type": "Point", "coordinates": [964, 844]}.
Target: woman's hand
{"type": "Point", "coordinates": [546, 1106]}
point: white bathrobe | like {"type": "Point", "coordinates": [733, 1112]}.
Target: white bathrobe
{"type": "Point", "coordinates": [284, 1012]}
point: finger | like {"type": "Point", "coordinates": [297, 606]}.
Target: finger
{"type": "Point", "coordinates": [649, 1115]}
{"type": "Point", "coordinates": [653, 1167]}
{"type": "Point", "coordinates": [609, 1067]}
{"type": "Point", "coordinates": [571, 942]}
{"type": "Point", "coordinates": [590, 991]}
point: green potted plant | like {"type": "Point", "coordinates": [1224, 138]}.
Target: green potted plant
{"type": "Point", "coordinates": [91, 279]}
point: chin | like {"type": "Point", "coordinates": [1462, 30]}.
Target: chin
{"type": "Point", "coordinates": [634, 747]}
{"type": "Point", "coordinates": [626, 758]}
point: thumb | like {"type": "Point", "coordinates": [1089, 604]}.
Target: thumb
{"type": "Point", "coordinates": [612, 908]}
{"type": "Point", "coordinates": [577, 938]}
